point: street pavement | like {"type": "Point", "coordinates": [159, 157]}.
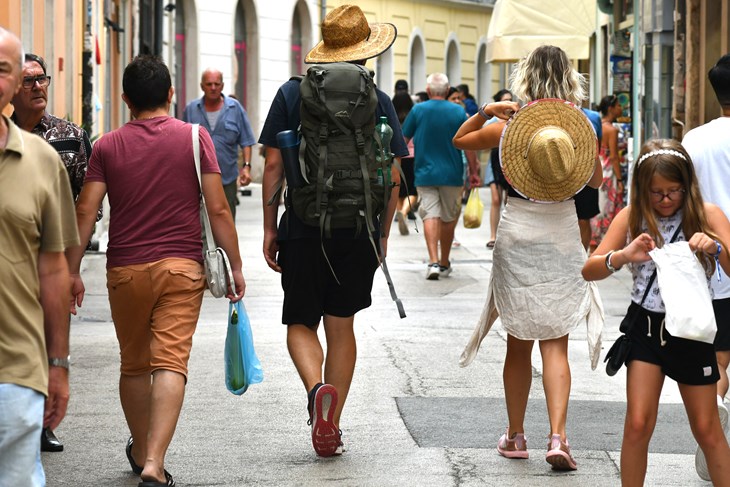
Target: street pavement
{"type": "Point", "coordinates": [413, 416]}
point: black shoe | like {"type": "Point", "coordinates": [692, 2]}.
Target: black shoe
{"type": "Point", "coordinates": [411, 215]}
{"type": "Point", "coordinates": [49, 442]}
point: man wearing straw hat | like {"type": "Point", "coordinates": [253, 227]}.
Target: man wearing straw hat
{"type": "Point", "coordinates": [311, 293]}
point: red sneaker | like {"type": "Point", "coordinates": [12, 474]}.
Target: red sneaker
{"type": "Point", "coordinates": [325, 435]}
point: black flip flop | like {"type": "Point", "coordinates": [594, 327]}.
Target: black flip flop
{"type": "Point", "coordinates": [135, 468]}
{"type": "Point", "coordinates": [490, 244]}
{"type": "Point", "coordinates": [169, 482]}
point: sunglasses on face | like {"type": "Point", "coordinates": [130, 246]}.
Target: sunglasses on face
{"type": "Point", "coordinates": [30, 81]}
{"type": "Point", "coordinates": [674, 195]}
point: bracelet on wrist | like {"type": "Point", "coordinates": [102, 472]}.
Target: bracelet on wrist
{"type": "Point", "coordinates": [609, 266]}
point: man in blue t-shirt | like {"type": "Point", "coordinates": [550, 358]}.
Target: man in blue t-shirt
{"type": "Point", "coordinates": [439, 170]}
{"type": "Point", "coordinates": [586, 201]}
{"type": "Point", "coordinates": [308, 262]}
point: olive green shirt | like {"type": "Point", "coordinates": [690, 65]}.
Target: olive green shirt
{"type": "Point", "coordinates": [36, 215]}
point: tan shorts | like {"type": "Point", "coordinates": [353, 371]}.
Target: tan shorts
{"type": "Point", "coordinates": [155, 307]}
{"type": "Point", "coordinates": [442, 202]}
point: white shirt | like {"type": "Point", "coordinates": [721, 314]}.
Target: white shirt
{"type": "Point", "coordinates": [709, 148]}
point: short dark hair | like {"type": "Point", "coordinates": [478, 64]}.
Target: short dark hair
{"type": "Point", "coordinates": [34, 58]}
{"type": "Point", "coordinates": [402, 102]}
{"type": "Point", "coordinates": [146, 82]}
{"type": "Point", "coordinates": [498, 95]}
{"type": "Point", "coordinates": [719, 77]}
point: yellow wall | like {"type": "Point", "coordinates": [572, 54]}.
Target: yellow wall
{"type": "Point", "coordinates": [436, 21]}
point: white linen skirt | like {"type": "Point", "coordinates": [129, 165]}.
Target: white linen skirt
{"type": "Point", "coordinates": [536, 285]}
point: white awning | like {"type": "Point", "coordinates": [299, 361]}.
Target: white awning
{"type": "Point", "coordinates": [519, 26]}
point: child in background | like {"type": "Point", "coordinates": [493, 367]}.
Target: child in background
{"type": "Point", "coordinates": [664, 196]}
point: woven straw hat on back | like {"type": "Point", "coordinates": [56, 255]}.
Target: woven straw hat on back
{"type": "Point", "coordinates": [347, 36]}
{"type": "Point", "coordinates": [548, 150]}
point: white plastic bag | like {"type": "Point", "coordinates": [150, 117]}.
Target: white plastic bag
{"type": "Point", "coordinates": [685, 292]}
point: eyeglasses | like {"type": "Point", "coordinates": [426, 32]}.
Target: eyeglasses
{"type": "Point", "coordinates": [674, 195]}
{"type": "Point", "coordinates": [30, 81]}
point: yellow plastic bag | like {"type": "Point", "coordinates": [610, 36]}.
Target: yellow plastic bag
{"type": "Point", "coordinates": [474, 210]}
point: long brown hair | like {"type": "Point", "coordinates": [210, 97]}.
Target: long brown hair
{"type": "Point", "coordinates": [675, 169]}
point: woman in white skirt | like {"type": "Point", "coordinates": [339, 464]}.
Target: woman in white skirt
{"type": "Point", "coordinates": [548, 152]}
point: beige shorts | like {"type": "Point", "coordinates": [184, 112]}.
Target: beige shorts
{"type": "Point", "coordinates": [442, 202]}
{"type": "Point", "coordinates": [155, 307]}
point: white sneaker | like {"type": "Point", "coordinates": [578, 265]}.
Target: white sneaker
{"type": "Point", "coordinates": [444, 271]}
{"type": "Point", "coordinates": [700, 460]}
{"type": "Point", "coordinates": [433, 271]}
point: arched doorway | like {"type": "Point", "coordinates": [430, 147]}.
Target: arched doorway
{"type": "Point", "coordinates": [482, 75]}
{"type": "Point", "coordinates": [453, 62]}
{"type": "Point", "coordinates": [246, 45]}
{"type": "Point", "coordinates": [301, 38]}
{"type": "Point", "coordinates": [417, 63]}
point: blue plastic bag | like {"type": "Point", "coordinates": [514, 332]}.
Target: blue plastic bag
{"type": "Point", "coordinates": [242, 365]}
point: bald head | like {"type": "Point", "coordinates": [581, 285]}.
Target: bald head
{"type": "Point", "coordinates": [211, 82]}
{"type": "Point", "coordinates": [11, 66]}
{"type": "Point", "coordinates": [10, 41]}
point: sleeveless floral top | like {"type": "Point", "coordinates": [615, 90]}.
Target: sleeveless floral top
{"type": "Point", "coordinates": [642, 272]}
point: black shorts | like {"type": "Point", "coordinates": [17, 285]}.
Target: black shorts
{"type": "Point", "coordinates": [685, 361]}
{"type": "Point", "coordinates": [722, 317]}
{"type": "Point", "coordinates": [310, 289]}
{"type": "Point", "coordinates": [499, 178]}
{"type": "Point", "coordinates": [409, 188]}
{"type": "Point", "coordinates": [586, 203]}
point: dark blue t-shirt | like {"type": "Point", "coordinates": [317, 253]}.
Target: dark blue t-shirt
{"type": "Point", "coordinates": [284, 115]}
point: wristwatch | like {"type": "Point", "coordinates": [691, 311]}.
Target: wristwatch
{"type": "Point", "coordinates": [59, 362]}
{"type": "Point", "coordinates": [483, 113]}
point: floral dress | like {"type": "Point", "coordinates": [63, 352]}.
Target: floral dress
{"type": "Point", "coordinates": [609, 200]}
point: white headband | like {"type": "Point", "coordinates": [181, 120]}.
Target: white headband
{"type": "Point", "coordinates": [668, 152]}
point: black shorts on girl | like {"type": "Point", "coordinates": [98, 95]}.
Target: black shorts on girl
{"type": "Point", "coordinates": [686, 361]}
{"type": "Point", "coordinates": [722, 317]}
{"type": "Point", "coordinates": [310, 289]}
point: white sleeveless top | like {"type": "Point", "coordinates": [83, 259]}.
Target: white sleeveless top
{"type": "Point", "coordinates": [642, 272]}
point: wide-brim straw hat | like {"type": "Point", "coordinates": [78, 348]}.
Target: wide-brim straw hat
{"type": "Point", "coordinates": [347, 36]}
{"type": "Point", "coordinates": [548, 150]}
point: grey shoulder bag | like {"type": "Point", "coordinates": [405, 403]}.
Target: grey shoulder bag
{"type": "Point", "coordinates": [218, 272]}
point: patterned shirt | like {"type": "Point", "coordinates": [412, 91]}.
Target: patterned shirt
{"type": "Point", "coordinates": [71, 142]}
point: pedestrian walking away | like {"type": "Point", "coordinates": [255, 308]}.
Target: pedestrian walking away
{"type": "Point", "coordinates": [611, 194]}
{"type": "Point", "coordinates": [666, 205]}
{"type": "Point", "coordinates": [548, 153]}
{"type": "Point", "coordinates": [227, 123]}
{"type": "Point", "coordinates": [499, 185]}
{"type": "Point", "coordinates": [709, 147]}
{"type": "Point", "coordinates": [328, 276]}
{"type": "Point", "coordinates": [37, 225]}
{"type": "Point", "coordinates": [155, 276]}
{"type": "Point", "coordinates": [69, 140]}
{"type": "Point", "coordinates": [439, 171]}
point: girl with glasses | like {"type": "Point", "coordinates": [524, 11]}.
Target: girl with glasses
{"type": "Point", "coordinates": [665, 196]}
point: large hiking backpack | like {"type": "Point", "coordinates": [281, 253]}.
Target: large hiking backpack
{"type": "Point", "coordinates": [344, 188]}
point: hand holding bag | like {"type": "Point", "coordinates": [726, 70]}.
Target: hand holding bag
{"type": "Point", "coordinates": [685, 292]}
{"type": "Point", "coordinates": [218, 272]}
{"type": "Point", "coordinates": [241, 363]}
{"type": "Point", "coordinates": [474, 210]}
{"type": "Point", "coordinates": [619, 351]}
